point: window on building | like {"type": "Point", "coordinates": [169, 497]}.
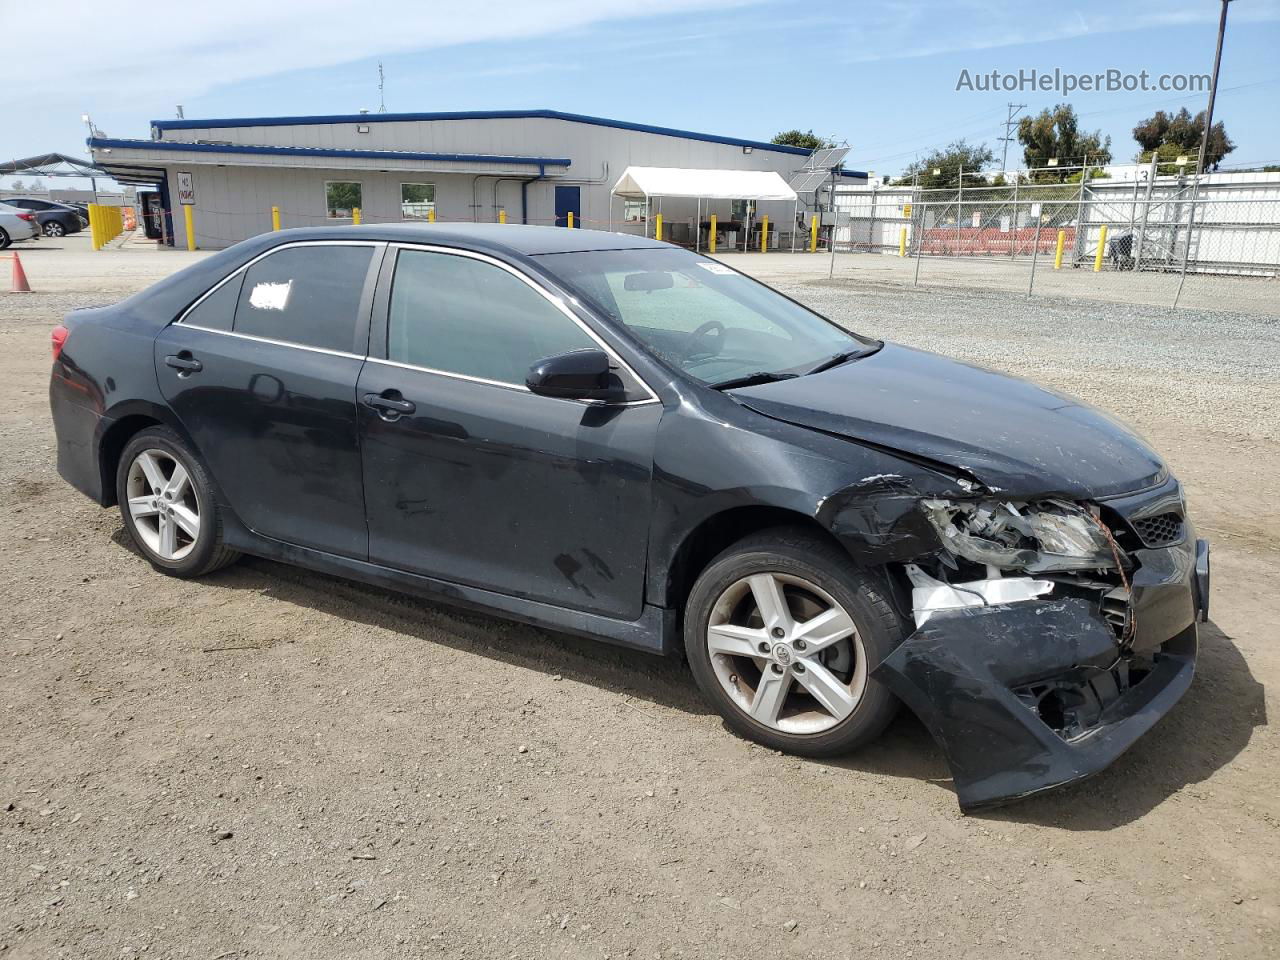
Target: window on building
{"type": "Point", "coordinates": [633, 209]}
{"type": "Point", "coordinates": [340, 198]}
{"type": "Point", "coordinates": [308, 295]}
{"type": "Point", "coordinates": [417, 200]}
{"type": "Point", "coordinates": [465, 316]}
{"type": "Point", "coordinates": [217, 311]}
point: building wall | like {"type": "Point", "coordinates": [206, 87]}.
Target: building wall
{"type": "Point", "coordinates": [234, 202]}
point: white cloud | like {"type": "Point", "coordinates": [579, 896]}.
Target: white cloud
{"type": "Point", "coordinates": [199, 46]}
{"type": "Point", "coordinates": [907, 32]}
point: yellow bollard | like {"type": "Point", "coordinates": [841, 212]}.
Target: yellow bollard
{"type": "Point", "coordinates": [657, 227]}
{"type": "Point", "coordinates": [275, 218]}
{"type": "Point", "coordinates": [431, 215]}
{"type": "Point", "coordinates": [570, 220]}
{"type": "Point", "coordinates": [902, 242]}
{"type": "Point", "coordinates": [711, 238]}
{"type": "Point", "coordinates": [355, 216]}
{"type": "Point", "coordinates": [813, 234]}
{"type": "Point", "coordinates": [93, 226]}
{"type": "Point", "coordinates": [1057, 257]}
{"type": "Point", "coordinates": [502, 216]}
{"type": "Point", "coordinates": [191, 226]}
{"type": "Point", "coordinates": [764, 234]}
{"type": "Point", "coordinates": [1102, 249]}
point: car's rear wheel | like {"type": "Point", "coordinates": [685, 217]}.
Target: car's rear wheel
{"type": "Point", "coordinates": [781, 632]}
{"type": "Point", "coordinates": [54, 229]}
{"type": "Point", "coordinates": [168, 506]}
{"type": "Point", "coordinates": [4, 239]}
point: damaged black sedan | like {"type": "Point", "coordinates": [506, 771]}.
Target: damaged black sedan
{"type": "Point", "coordinates": [614, 437]}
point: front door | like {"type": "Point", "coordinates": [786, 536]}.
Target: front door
{"type": "Point", "coordinates": [568, 200]}
{"type": "Point", "coordinates": [262, 374]}
{"type": "Point", "coordinates": [471, 478]}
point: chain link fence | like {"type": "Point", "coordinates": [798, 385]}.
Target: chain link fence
{"type": "Point", "coordinates": [1177, 243]}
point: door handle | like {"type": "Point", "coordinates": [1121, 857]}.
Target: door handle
{"type": "Point", "coordinates": [389, 407]}
{"type": "Point", "coordinates": [184, 364]}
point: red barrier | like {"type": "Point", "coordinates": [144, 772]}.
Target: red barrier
{"type": "Point", "coordinates": [992, 241]}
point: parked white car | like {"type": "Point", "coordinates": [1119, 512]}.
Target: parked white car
{"type": "Point", "coordinates": [16, 224]}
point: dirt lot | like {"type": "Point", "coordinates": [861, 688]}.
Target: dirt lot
{"type": "Point", "coordinates": [271, 763]}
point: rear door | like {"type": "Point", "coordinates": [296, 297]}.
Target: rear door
{"type": "Point", "coordinates": [471, 478]}
{"type": "Point", "coordinates": [262, 373]}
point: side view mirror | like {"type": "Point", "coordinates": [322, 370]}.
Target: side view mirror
{"type": "Point", "coordinates": [579, 375]}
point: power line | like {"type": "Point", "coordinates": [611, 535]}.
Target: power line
{"type": "Point", "coordinates": [1008, 138]}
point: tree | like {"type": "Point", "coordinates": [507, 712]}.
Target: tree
{"type": "Point", "coordinates": [1056, 135]}
{"type": "Point", "coordinates": [806, 138]}
{"type": "Point", "coordinates": [949, 161]}
{"type": "Point", "coordinates": [17, 185]}
{"type": "Point", "coordinates": [1182, 132]}
{"type": "Point", "coordinates": [1167, 159]}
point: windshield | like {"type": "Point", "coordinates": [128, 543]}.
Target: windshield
{"type": "Point", "coordinates": [700, 316]}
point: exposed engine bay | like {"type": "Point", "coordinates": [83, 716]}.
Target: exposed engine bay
{"type": "Point", "coordinates": [999, 552]}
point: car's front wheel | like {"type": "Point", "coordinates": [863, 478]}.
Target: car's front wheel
{"type": "Point", "coordinates": [168, 506]}
{"type": "Point", "coordinates": [781, 632]}
{"type": "Point", "coordinates": [54, 229]}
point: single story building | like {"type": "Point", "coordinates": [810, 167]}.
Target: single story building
{"type": "Point", "coordinates": [524, 166]}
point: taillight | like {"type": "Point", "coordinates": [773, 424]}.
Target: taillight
{"type": "Point", "coordinates": [26, 216]}
{"type": "Point", "coordinates": [59, 338]}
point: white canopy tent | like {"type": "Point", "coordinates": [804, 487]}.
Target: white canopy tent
{"type": "Point", "coordinates": [650, 183]}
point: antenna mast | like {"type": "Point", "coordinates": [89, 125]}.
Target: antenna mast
{"type": "Point", "coordinates": [382, 102]}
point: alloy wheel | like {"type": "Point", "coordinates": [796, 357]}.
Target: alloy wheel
{"type": "Point", "coordinates": [786, 653]}
{"type": "Point", "coordinates": [163, 504]}
{"type": "Point", "coordinates": [53, 229]}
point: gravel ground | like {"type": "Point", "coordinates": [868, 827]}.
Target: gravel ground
{"type": "Point", "coordinates": [272, 763]}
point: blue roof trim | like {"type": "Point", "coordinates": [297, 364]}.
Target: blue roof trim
{"type": "Point", "coordinates": [856, 174]}
{"type": "Point", "coordinates": [178, 146]}
{"type": "Point", "coordinates": [474, 115]}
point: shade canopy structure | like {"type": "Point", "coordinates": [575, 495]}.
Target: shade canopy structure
{"type": "Point", "coordinates": [51, 165]}
{"type": "Point", "coordinates": [639, 183]}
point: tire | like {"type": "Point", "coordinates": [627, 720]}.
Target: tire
{"type": "Point", "coordinates": [812, 573]}
{"type": "Point", "coordinates": [158, 507]}
{"type": "Point", "coordinates": [54, 229]}
{"type": "Point", "coordinates": [4, 239]}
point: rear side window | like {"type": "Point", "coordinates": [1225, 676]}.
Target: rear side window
{"type": "Point", "coordinates": [460, 315]}
{"type": "Point", "coordinates": [217, 311]}
{"type": "Point", "coordinates": [309, 295]}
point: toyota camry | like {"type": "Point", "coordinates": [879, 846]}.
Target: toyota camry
{"type": "Point", "coordinates": [615, 437]}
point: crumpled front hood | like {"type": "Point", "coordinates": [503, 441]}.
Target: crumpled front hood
{"type": "Point", "coordinates": [1016, 437]}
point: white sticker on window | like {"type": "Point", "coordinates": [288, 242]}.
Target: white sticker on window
{"type": "Point", "coordinates": [270, 296]}
{"type": "Point", "coordinates": [716, 268]}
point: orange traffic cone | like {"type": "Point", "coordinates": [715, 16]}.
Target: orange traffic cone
{"type": "Point", "coordinates": [20, 284]}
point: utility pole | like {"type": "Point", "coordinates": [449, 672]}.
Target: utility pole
{"type": "Point", "coordinates": [1213, 88]}
{"type": "Point", "coordinates": [1008, 133]}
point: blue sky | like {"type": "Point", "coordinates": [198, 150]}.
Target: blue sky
{"type": "Point", "coordinates": [881, 76]}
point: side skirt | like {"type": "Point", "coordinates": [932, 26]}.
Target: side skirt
{"type": "Point", "coordinates": [652, 633]}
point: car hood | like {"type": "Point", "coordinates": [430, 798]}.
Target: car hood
{"type": "Point", "coordinates": [1015, 437]}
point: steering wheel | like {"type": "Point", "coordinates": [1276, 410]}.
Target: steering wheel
{"type": "Point", "coordinates": [690, 347]}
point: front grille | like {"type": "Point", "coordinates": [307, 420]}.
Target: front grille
{"type": "Point", "coordinates": [1160, 530]}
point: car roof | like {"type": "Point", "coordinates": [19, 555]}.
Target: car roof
{"type": "Point", "coordinates": [519, 239]}
{"type": "Point", "coordinates": [55, 203]}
